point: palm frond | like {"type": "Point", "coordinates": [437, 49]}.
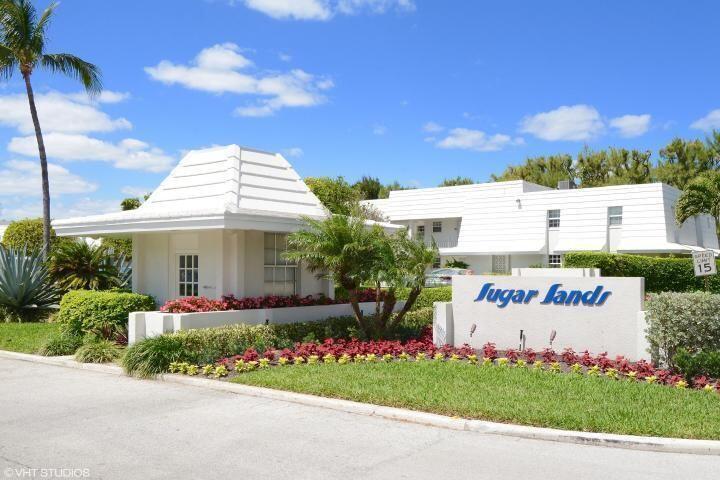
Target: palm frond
{"type": "Point", "coordinates": [74, 67]}
{"type": "Point", "coordinates": [17, 24]}
{"type": "Point", "coordinates": [37, 38]}
{"type": "Point", "coordinates": [8, 62]}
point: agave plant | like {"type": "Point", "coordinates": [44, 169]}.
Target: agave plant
{"type": "Point", "coordinates": [80, 266]}
{"type": "Point", "coordinates": [24, 282]}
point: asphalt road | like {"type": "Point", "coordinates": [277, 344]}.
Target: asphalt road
{"type": "Point", "coordinates": [96, 425]}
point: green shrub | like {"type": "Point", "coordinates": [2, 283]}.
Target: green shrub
{"type": "Point", "coordinates": [61, 343]}
{"type": "Point", "coordinates": [25, 315]}
{"type": "Point", "coordinates": [428, 296]}
{"type": "Point", "coordinates": [97, 350]}
{"type": "Point", "coordinates": [334, 327]}
{"type": "Point", "coordinates": [662, 274]}
{"type": "Point", "coordinates": [28, 234]}
{"type": "Point", "coordinates": [690, 321]}
{"type": "Point", "coordinates": [154, 355]}
{"type": "Point", "coordinates": [102, 313]}
{"type": "Point", "coordinates": [701, 363]}
{"type": "Point", "coordinates": [418, 319]}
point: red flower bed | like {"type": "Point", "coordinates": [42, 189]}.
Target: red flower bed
{"type": "Point", "coordinates": [230, 302]}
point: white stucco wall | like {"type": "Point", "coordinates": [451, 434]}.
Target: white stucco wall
{"type": "Point", "coordinates": [230, 262]}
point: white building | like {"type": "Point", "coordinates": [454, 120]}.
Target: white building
{"type": "Point", "coordinates": [216, 225]}
{"type": "Point", "coordinates": [496, 226]}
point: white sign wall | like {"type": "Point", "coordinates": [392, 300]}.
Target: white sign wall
{"type": "Point", "coordinates": [601, 314]}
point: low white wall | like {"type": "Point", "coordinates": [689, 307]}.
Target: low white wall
{"type": "Point", "coordinates": [151, 324]}
{"type": "Point", "coordinates": [608, 318]}
{"type": "Point", "coordinates": [556, 272]}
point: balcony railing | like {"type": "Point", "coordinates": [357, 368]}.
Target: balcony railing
{"type": "Point", "coordinates": [443, 243]}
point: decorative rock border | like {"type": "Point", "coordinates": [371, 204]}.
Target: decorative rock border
{"type": "Point", "coordinates": [656, 444]}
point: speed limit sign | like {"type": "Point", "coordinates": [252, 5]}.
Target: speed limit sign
{"type": "Point", "coordinates": [704, 263]}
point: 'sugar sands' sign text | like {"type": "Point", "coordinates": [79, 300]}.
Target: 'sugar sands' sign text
{"type": "Point", "coordinates": [554, 296]}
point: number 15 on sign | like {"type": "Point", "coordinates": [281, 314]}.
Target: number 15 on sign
{"type": "Point", "coordinates": [704, 263]}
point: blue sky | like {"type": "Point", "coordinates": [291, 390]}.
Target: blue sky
{"type": "Point", "coordinates": [407, 90]}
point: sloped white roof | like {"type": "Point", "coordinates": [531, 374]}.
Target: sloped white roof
{"type": "Point", "coordinates": [221, 187]}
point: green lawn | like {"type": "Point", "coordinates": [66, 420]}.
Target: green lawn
{"type": "Point", "coordinates": [509, 395]}
{"type": "Point", "coordinates": [25, 337]}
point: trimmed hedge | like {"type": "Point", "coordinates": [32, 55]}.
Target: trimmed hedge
{"type": "Point", "coordinates": [662, 274]}
{"type": "Point", "coordinates": [689, 321]}
{"type": "Point", "coordinates": [153, 356]}
{"type": "Point", "coordinates": [428, 296]}
{"type": "Point", "coordinates": [102, 313]}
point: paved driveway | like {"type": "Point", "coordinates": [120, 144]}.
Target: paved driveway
{"type": "Point", "coordinates": [118, 427]}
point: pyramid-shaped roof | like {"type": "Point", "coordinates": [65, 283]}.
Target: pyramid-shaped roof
{"type": "Point", "coordinates": [219, 187]}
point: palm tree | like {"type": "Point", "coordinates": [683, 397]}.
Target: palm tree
{"type": "Point", "coordinates": [79, 266]}
{"type": "Point", "coordinates": [22, 46]}
{"type": "Point", "coordinates": [701, 196]}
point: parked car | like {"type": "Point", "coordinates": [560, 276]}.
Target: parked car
{"type": "Point", "coordinates": [443, 276]}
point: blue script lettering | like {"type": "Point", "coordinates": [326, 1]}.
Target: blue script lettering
{"type": "Point", "coordinates": [554, 296]}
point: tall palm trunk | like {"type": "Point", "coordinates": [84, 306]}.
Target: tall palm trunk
{"type": "Point", "coordinates": [43, 166]}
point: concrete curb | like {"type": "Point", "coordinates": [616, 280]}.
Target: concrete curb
{"type": "Point", "coordinates": [655, 444]}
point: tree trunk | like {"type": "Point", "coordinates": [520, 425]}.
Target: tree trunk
{"type": "Point", "coordinates": [412, 296]}
{"type": "Point", "coordinates": [43, 167]}
{"type": "Point", "coordinates": [355, 305]}
{"type": "Point", "coordinates": [383, 322]}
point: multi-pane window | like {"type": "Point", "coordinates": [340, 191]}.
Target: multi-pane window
{"type": "Point", "coordinates": [437, 227]}
{"type": "Point", "coordinates": [554, 261]}
{"type": "Point", "coordinates": [436, 263]}
{"type": "Point", "coordinates": [553, 218]}
{"type": "Point", "coordinates": [614, 216]}
{"type": "Point", "coordinates": [420, 232]}
{"type": "Point", "coordinates": [280, 274]}
{"type": "Point", "coordinates": [187, 275]}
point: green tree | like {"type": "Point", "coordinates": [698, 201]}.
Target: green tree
{"type": "Point", "coordinates": [451, 182]}
{"type": "Point", "coordinates": [368, 188]}
{"type": "Point", "coordinates": [80, 266]}
{"type": "Point", "coordinates": [130, 204]}
{"type": "Point", "coordinates": [352, 254]}
{"type": "Point", "coordinates": [22, 47]}
{"type": "Point", "coordinates": [546, 171]}
{"type": "Point", "coordinates": [701, 196]}
{"type": "Point", "coordinates": [386, 189]}
{"type": "Point", "coordinates": [336, 194]}
{"type": "Point", "coordinates": [615, 166]}
{"type": "Point", "coordinates": [683, 160]}
{"type": "Point", "coordinates": [28, 234]}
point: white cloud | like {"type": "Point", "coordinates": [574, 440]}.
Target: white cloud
{"type": "Point", "coordinates": [126, 154]}
{"type": "Point", "coordinates": [708, 122]}
{"type": "Point", "coordinates": [135, 191]}
{"type": "Point", "coordinates": [294, 152]}
{"type": "Point", "coordinates": [571, 123]}
{"type": "Point", "coordinates": [325, 9]}
{"type": "Point", "coordinates": [292, 9]}
{"type": "Point", "coordinates": [284, 57]}
{"type": "Point", "coordinates": [22, 178]}
{"type": "Point", "coordinates": [223, 69]}
{"type": "Point", "coordinates": [432, 127]}
{"type": "Point", "coordinates": [467, 139]}
{"type": "Point", "coordinates": [631, 125]}
{"type": "Point", "coordinates": [68, 113]}
{"type": "Point", "coordinates": [379, 129]}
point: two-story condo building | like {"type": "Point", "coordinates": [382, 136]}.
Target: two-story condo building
{"type": "Point", "coordinates": [496, 226]}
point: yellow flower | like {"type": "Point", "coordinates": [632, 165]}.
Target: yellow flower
{"type": "Point", "coordinates": [454, 357]}
{"type": "Point", "coordinates": [283, 361]}
{"type": "Point", "coordinates": [438, 356]}
{"type": "Point", "coordinates": [521, 363]}
{"type": "Point", "coordinates": [487, 361]}
{"type": "Point", "coordinates": [329, 358]}
{"type": "Point", "coordinates": [387, 357]}
{"type": "Point", "coordinates": [371, 357]}
{"type": "Point", "coordinates": [298, 360]}
{"type": "Point", "coordinates": [576, 368]}
{"type": "Point", "coordinates": [264, 363]}
{"type": "Point", "coordinates": [708, 388]}
{"type": "Point", "coordinates": [651, 379]}
{"type": "Point", "coordinates": [538, 364]}
{"type": "Point", "coordinates": [611, 373]}
{"type": "Point", "coordinates": [313, 359]}
{"type": "Point", "coordinates": [472, 359]}
{"type": "Point", "coordinates": [502, 361]}
{"type": "Point", "coordinates": [681, 384]}
{"type": "Point", "coordinates": [420, 356]}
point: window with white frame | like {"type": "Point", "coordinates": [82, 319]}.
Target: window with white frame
{"type": "Point", "coordinates": [420, 232]}
{"type": "Point", "coordinates": [436, 263]}
{"type": "Point", "coordinates": [437, 227]}
{"type": "Point", "coordinates": [188, 275]}
{"type": "Point", "coordinates": [554, 261]}
{"type": "Point", "coordinates": [280, 273]}
{"type": "Point", "coordinates": [615, 216]}
{"type": "Point", "coordinates": [553, 218]}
